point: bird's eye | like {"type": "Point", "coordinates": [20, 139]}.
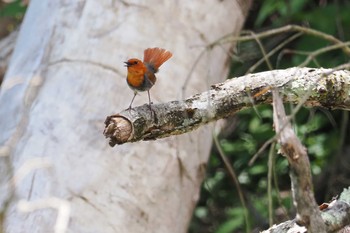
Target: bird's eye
{"type": "Point", "coordinates": [135, 62]}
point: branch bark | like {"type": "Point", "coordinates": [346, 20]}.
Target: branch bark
{"type": "Point", "coordinates": [313, 87]}
{"type": "Point", "coordinates": [308, 214]}
{"type": "Point", "coordinates": [336, 217]}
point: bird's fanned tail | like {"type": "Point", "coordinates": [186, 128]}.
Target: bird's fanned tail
{"type": "Point", "coordinates": [156, 57]}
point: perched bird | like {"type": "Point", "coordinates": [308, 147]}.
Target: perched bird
{"type": "Point", "coordinates": [141, 75]}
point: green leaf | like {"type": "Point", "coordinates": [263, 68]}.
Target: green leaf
{"type": "Point", "coordinates": [236, 220]}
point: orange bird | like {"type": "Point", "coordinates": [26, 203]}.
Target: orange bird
{"type": "Point", "coordinates": [141, 75]}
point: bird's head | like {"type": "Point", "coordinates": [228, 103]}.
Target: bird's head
{"type": "Point", "coordinates": [135, 66]}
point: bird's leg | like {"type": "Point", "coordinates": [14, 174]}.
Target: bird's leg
{"type": "Point", "coordinates": [149, 102]}
{"type": "Point", "coordinates": [149, 98]}
{"type": "Point", "coordinates": [135, 93]}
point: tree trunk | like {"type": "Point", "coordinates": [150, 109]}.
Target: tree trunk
{"type": "Point", "coordinates": [65, 76]}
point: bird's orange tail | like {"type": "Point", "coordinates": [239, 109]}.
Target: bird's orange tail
{"type": "Point", "coordinates": [156, 56]}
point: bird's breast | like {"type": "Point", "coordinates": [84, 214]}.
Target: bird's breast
{"type": "Point", "coordinates": [135, 81]}
{"type": "Point", "coordinates": [141, 82]}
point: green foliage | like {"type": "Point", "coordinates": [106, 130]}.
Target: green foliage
{"type": "Point", "coordinates": [318, 129]}
{"type": "Point", "coordinates": [283, 11]}
{"type": "Point", "coordinates": [15, 9]}
{"type": "Point", "coordinates": [235, 221]}
{"type": "Point", "coordinates": [11, 14]}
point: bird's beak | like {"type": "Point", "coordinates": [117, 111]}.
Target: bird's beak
{"type": "Point", "coordinates": [127, 64]}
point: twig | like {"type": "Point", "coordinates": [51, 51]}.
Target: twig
{"type": "Point", "coordinates": [288, 28]}
{"type": "Point", "coordinates": [235, 181]}
{"type": "Point", "coordinates": [263, 51]}
{"type": "Point", "coordinates": [269, 181]}
{"type": "Point", "coordinates": [273, 51]}
{"type": "Point", "coordinates": [313, 54]}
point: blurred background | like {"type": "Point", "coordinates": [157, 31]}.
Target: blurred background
{"type": "Point", "coordinates": [325, 133]}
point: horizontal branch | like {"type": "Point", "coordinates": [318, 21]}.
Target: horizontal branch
{"type": "Point", "coordinates": [313, 87]}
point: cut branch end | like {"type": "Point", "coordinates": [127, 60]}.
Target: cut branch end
{"type": "Point", "coordinates": [118, 129]}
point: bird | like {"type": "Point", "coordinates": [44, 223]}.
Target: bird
{"type": "Point", "coordinates": [141, 74]}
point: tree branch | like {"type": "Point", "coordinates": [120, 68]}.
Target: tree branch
{"type": "Point", "coordinates": [287, 28]}
{"type": "Point", "coordinates": [308, 214]}
{"type": "Point", "coordinates": [336, 217]}
{"type": "Point", "coordinates": [322, 87]}
{"type": "Point", "coordinates": [337, 214]}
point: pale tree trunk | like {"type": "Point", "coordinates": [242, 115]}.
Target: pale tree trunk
{"type": "Point", "coordinates": [66, 75]}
